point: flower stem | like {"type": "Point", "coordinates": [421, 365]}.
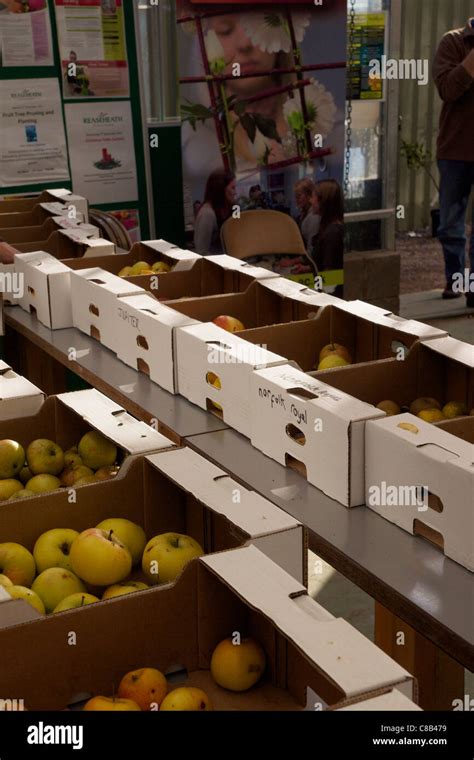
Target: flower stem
{"type": "Point", "coordinates": [230, 127]}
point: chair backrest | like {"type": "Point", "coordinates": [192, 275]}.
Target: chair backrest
{"type": "Point", "coordinates": [261, 233]}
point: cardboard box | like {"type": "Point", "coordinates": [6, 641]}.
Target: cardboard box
{"type": "Point", "coordinates": [23, 235]}
{"type": "Point", "coordinates": [312, 660]}
{"type": "Point", "coordinates": [62, 195]}
{"type": "Point", "coordinates": [160, 250]}
{"type": "Point", "coordinates": [94, 294]}
{"type": "Point", "coordinates": [147, 337]}
{"type": "Point", "coordinates": [421, 477]}
{"type": "Point", "coordinates": [214, 370]}
{"type": "Point", "coordinates": [46, 288]}
{"type": "Point", "coordinates": [18, 397]}
{"type": "Point", "coordinates": [71, 243]}
{"type": "Point", "coordinates": [305, 424]}
{"type": "Point", "coordinates": [392, 701]}
{"type": "Point", "coordinates": [37, 215]}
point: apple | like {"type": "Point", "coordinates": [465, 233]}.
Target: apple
{"type": "Point", "coordinates": [161, 266]}
{"type": "Point", "coordinates": [331, 361]}
{"type": "Point", "coordinates": [21, 592]}
{"type": "Point", "coordinates": [146, 686]}
{"type": "Point", "coordinates": [335, 348]}
{"type": "Point", "coordinates": [107, 473]}
{"type": "Point", "coordinates": [23, 494]}
{"type": "Point", "coordinates": [17, 563]}
{"type": "Point", "coordinates": [454, 409]}
{"type": "Point", "coordinates": [73, 601]}
{"type": "Point", "coordinates": [101, 704]}
{"type": "Point", "coordinates": [72, 458]}
{"type": "Point", "coordinates": [423, 403]}
{"type": "Point", "coordinates": [43, 483]}
{"type": "Point", "coordinates": [99, 558]}
{"type": "Point", "coordinates": [186, 698]}
{"type": "Point", "coordinates": [5, 581]}
{"type": "Point", "coordinates": [214, 380]}
{"type": "Point", "coordinates": [138, 268]}
{"type": "Point", "coordinates": [231, 324]}
{"type": "Point", "coordinates": [12, 458]}
{"type": "Point", "coordinates": [25, 474]}
{"type": "Point", "coordinates": [85, 481]}
{"type": "Point", "coordinates": [126, 587]}
{"type": "Point", "coordinates": [8, 487]}
{"type": "Point", "coordinates": [71, 474]}
{"type": "Point", "coordinates": [44, 457]}
{"type": "Point", "coordinates": [52, 548]}
{"type": "Point", "coordinates": [129, 533]}
{"type": "Point", "coordinates": [431, 415]}
{"type": "Point", "coordinates": [389, 407]}
{"type": "Point", "coordinates": [237, 666]}
{"type": "Point", "coordinates": [125, 272]}
{"type": "Point", "coordinates": [166, 555]}
{"type": "Point", "coordinates": [55, 584]}
{"type": "Point", "coordinates": [97, 451]}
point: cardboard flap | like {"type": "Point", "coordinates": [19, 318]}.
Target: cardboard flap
{"type": "Point", "coordinates": [58, 209]}
{"type": "Point", "coordinates": [215, 488]}
{"type": "Point", "coordinates": [454, 349]}
{"type": "Point", "coordinates": [184, 259]}
{"type": "Point", "coordinates": [148, 306]}
{"type": "Point", "coordinates": [350, 660]}
{"type": "Point", "coordinates": [41, 260]}
{"type": "Point", "coordinates": [385, 318]}
{"type": "Point", "coordinates": [106, 281]}
{"type": "Point", "coordinates": [392, 700]}
{"type": "Point", "coordinates": [15, 386]}
{"type": "Point", "coordinates": [238, 265]}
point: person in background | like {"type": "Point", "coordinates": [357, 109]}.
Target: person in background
{"type": "Point", "coordinates": [308, 221]}
{"type": "Point", "coordinates": [453, 71]}
{"type": "Point", "coordinates": [7, 253]}
{"type": "Point", "coordinates": [256, 198]}
{"type": "Point", "coordinates": [328, 244]}
{"type": "Point", "coordinates": [197, 205]}
{"type": "Point", "coordinates": [217, 207]}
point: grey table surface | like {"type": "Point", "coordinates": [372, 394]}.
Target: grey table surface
{"type": "Point", "coordinates": [408, 575]}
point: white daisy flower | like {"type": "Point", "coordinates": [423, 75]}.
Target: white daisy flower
{"type": "Point", "coordinates": [320, 106]}
{"type": "Point", "coordinates": [269, 30]}
{"type": "Point", "coordinates": [215, 52]}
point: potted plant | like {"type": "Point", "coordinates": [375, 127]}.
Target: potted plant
{"type": "Point", "coordinates": [418, 157]}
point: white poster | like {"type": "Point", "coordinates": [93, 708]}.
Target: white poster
{"type": "Point", "coordinates": [33, 143]}
{"type": "Point", "coordinates": [25, 33]}
{"type": "Point", "coordinates": [101, 151]}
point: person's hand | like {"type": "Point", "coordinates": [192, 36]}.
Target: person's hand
{"type": "Point", "coordinates": [7, 253]}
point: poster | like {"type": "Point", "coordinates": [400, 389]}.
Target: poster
{"type": "Point", "coordinates": [101, 151]}
{"type": "Point", "coordinates": [33, 145]}
{"type": "Point", "coordinates": [130, 219]}
{"type": "Point", "coordinates": [92, 48]}
{"type": "Point", "coordinates": [369, 45]}
{"type": "Point", "coordinates": [25, 33]}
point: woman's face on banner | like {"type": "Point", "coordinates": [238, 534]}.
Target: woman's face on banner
{"type": "Point", "coordinates": [238, 48]}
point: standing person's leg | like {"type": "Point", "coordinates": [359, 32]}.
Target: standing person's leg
{"type": "Point", "coordinates": [470, 293]}
{"type": "Point", "coordinates": [455, 189]}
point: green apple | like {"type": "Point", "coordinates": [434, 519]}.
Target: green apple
{"type": "Point", "coordinates": [21, 592]}
{"type": "Point", "coordinates": [166, 555]}
{"type": "Point", "coordinates": [52, 548]}
{"type": "Point", "coordinates": [17, 563]}
{"type": "Point", "coordinates": [72, 473]}
{"type": "Point", "coordinates": [126, 587]}
{"type": "Point", "coordinates": [8, 487]}
{"type": "Point", "coordinates": [107, 473]}
{"type": "Point", "coordinates": [96, 451]}
{"type": "Point", "coordinates": [12, 458]}
{"type": "Point", "coordinates": [43, 483]}
{"type": "Point", "coordinates": [71, 457]}
{"type": "Point", "coordinates": [99, 558]}
{"type": "Point", "coordinates": [129, 533]}
{"type": "Point", "coordinates": [22, 494]}
{"type": "Point", "coordinates": [74, 601]}
{"type": "Point", "coordinates": [45, 457]}
{"type": "Point", "coordinates": [54, 584]}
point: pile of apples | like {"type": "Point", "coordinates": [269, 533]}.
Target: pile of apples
{"type": "Point", "coordinates": [45, 467]}
{"type": "Point", "coordinates": [66, 565]}
{"type": "Point", "coordinates": [428, 409]}
{"type": "Point", "coordinates": [143, 267]}
{"type": "Point", "coordinates": [235, 665]}
{"type": "Point", "coordinates": [333, 355]}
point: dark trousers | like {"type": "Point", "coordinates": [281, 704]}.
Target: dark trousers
{"type": "Point", "coordinates": [457, 179]}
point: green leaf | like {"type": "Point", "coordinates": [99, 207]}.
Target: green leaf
{"type": "Point", "coordinates": [267, 127]}
{"type": "Point", "coordinates": [239, 107]}
{"type": "Point", "coordinates": [248, 123]}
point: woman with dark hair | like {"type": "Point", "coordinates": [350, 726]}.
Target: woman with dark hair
{"type": "Point", "coordinates": [328, 244]}
{"type": "Point", "coordinates": [217, 207]}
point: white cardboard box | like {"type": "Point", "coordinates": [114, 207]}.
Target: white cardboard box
{"type": "Point", "coordinates": [203, 352]}
{"type": "Point", "coordinates": [147, 335]}
{"type": "Point", "coordinates": [179, 258]}
{"type": "Point", "coordinates": [46, 288]}
{"type": "Point", "coordinates": [18, 397]}
{"type": "Point", "coordinates": [400, 460]}
{"type": "Point", "coordinates": [229, 262]}
{"type": "Point", "coordinates": [64, 196]}
{"type": "Point", "coordinates": [301, 293]}
{"type": "Point", "coordinates": [89, 245]}
{"type": "Point", "coordinates": [94, 294]}
{"type": "Point", "coordinates": [299, 421]}
{"type": "Point", "coordinates": [391, 701]}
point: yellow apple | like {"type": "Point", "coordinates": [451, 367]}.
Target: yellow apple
{"type": "Point", "coordinates": [102, 704]}
{"type": "Point", "coordinates": [99, 558]}
{"type": "Point", "coordinates": [23, 494]}
{"type": "Point", "coordinates": [335, 348]}
{"type": "Point", "coordinates": [55, 584]}
{"type": "Point", "coordinates": [71, 474]}
{"type": "Point", "coordinates": [25, 474]}
{"type": "Point", "coordinates": [186, 698]}
{"type": "Point", "coordinates": [5, 581]}
{"type": "Point", "coordinates": [52, 548]}
{"type": "Point", "coordinates": [97, 451]}
{"type": "Point", "coordinates": [146, 686]}
{"type": "Point", "coordinates": [43, 483]}
{"type": "Point", "coordinates": [161, 266]}
{"type": "Point", "coordinates": [73, 601]}
{"type": "Point", "coordinates": [125, 272]}
{"type": "Point", "coordinates": [129, 533]}
{"type": "Point", "coordinates": [237, 666]}
{"type": "Point", "coordinates": [9, 487]}
{"type": "Point", "coordinates": [389, 407]}
{"type": "Point", "coordinates": [454, 409]}
{"type": "Point", "coordinates": [107, 473]}
{"type": "Point", "coordinates": [138, 267]}
{"type": "Point", "coordinates": [85, 481]}
{"type": "Point", "coordinates": [214, 380]}
{"type": "Point", "coordinates": [21, 592]}
{"type": "Point", "coordinates": [126, 587]}
{"type": "Point", "coordinates": [45, 457]}
{"type": "Point", "coordinates": [331, 361]}
{"type": "Point", "coordinates": [72, 458]}
{"type": "Point", "coordinates": [231, 324]}
{"type": "Point", "coordinates": [422, 403]}
{"type": "Point", "coordinates": [12, 458]}
{"type": "Point", "coordinates": [17, 563]}
{"type": "Point", "coordinates": [166, 555]}
{"type": "Point", "coordinates": [431, 415]}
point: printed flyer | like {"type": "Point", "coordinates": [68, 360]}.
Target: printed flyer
{"type": "Point", "coordinates": [93, 49]}
{"type": "Point", "coordinates": [25, 33]}
{"type": "Point", "coordinates": [33, 145]}
{"type": "Point", "coordinates": [101, 151]}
